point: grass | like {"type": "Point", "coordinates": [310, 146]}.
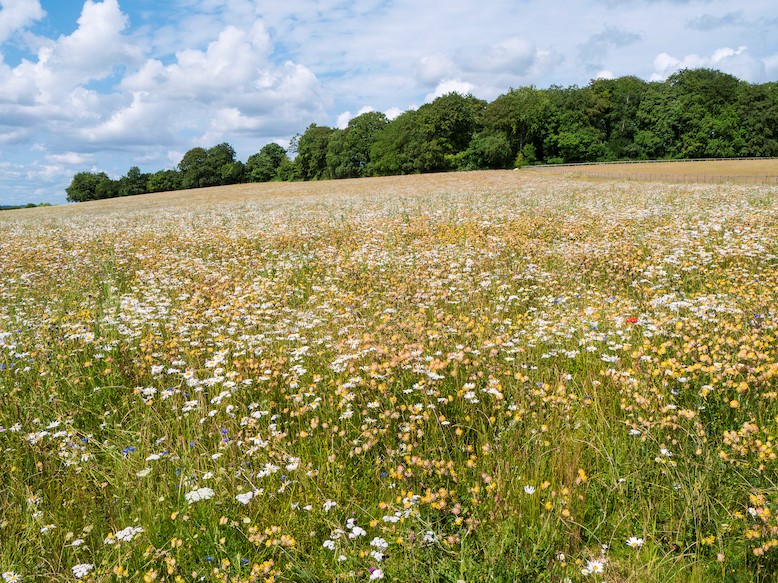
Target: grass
{"type": "Point", "coordinates": [495, 376]}
{"type": "Point", "coordinates": [763, 167]}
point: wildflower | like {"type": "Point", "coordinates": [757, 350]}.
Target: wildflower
{"type": "Point", "coordinates": [329, 505]}
{"type": "Point", "coordinates": [329, 544]}
{"type": "Point", "coordinates": [244, 498]}
{"type": "Point", "coordinates": [81, 570]}
{"type": "Point", "coordinates": [635, 542]}
{"type": "Point", "coordinates": [593, 566]}
{"type": "Point", "coordinates": [529, 489]}
{"type": "Point", "coordinates": [376, 574]}
{"type": "Point", "coordinates": [10, 577]}
{"type": "Point", "coordinates": [199, 494]}
{"type": "Point", "coordinates": [377, 555]}
{"type": "Point", "coordinates": [127, 534]}
{"type": "Point", "coordinates": [380, 543]}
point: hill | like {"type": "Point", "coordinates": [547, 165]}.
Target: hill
{"type": "Point", "coordinates": [482, 376]}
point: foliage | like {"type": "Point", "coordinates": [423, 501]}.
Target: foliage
{"type": "Point", "coordinates": [698, 113]}
{"type": "Point", "coordinates": [89, 186]}
{"type": "Point", "coordinates": [263, 166]}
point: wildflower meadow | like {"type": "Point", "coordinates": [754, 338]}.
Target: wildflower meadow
{"type": "Point", "coordinates": [486, 376]}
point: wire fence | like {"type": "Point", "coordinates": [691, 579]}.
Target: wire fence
{"type": "Point", "coordinates": [676, 178]}
{"type": "Point", "coordinates": [582, 170]}
{"type": "Point", "coordinates": [668, 161]}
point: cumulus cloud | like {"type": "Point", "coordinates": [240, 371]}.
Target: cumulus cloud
{"type": "Point", "coordinates": [347, 116]}
{"type": "Point", "coordinates": [738, 62]}
{"type": "Point", "coordinates": [18, 14]}
{"type": "Point", "coordinates": [71, 158]}
{"type": "Point", "coordinates": [450, 86]}
{"type": "Point", "coordinates": [94, 50]}
{"type": "Point", "coordinates": [431, 69]}
{"type": "Point", "coordinates": [483, 70]}
{"type": "Point", "coordinates": [708, 22]}
{"type": "Point", "coordinates": [512, 55]}
{"type": "Point", "coordinates": [594, 51]}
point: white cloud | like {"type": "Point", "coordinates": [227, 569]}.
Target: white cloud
{"type": "Point", "coordinates": [18, 14]}
{"type": "Point", "coordinates": [738, 62]}
{"type": "Point", "coordinates": [450, 86]}
{"type": "Point", "coordinates": [393, 112]}
{"type": "Point", "coordinates": [605, 74]}
{"type": "Point", "coordinates": [512, 55]}
{"type": "Point", "coordinates": [431, 69]}
{"type": "Point", "coordinates": [71, 158]}
{"type": "Point", "coordinates": [347, 116]}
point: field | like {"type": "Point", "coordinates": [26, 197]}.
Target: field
{"type": "Point", "coordinates": [763, 171]}
{"type": "Point", "coordinates": [486, 376]}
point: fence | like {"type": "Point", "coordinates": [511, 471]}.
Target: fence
{"type": "Point", "coordinates": [581, 170]}
{"type": "Point", "coordinates": [679, 178]}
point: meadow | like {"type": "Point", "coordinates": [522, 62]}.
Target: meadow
{"type": "Point", "coordinates": [485, 376]}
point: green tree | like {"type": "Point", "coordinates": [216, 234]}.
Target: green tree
{"type": "Point", "coordinates": [217, 165]}
{"type": "Point", "coordinates": [164, 181]}
{"type": "Point", "coordinates": [348, 151]}
{"type": "Point", "coordinates": [311, 146]}
{"type": "Point", "coordinates": [520, 115]}
{"type": "Point", "coordinates": [572, 133]}
{"type": "Point", "coordinates": [263, 166]}
{"type": "Point", "coordinates": [88, 186]}
{"type": "Point", "coordinates": [135, 182]}
{"type": "Point", "coordinates": [757, 107]}
{"type": "Point", "coordinates": [488, 149]}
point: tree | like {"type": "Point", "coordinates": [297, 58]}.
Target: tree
{"type": "Point", "coordinates": [194, 169]}
{"type": "Point", "coordinates": [263, 166]}
{"type": "Point", "coordinates": [488, 149]}
{"type": "Point", "coordinates": [135, 182]}
{"type": "Point", "coordinates": [348, 151]}
{"type": "Point", "coordinates": [88, 186]}
{"type": "Point", "coordinates": [311, 160]}
{"type": "Point", "coordinates": [164, 181]}
{"type": "Point", "coordinates": [217, 165]}
{"type": "Point", "coordinates": [520, 115]}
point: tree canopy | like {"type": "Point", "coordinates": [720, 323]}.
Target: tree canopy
{"type": "Point", "coordinates": [696, 113]}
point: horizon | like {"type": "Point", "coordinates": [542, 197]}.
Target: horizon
{"type": "Point", "coordinates": [108, 85]}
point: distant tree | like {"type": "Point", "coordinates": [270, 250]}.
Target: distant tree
{"type": "Point", "coordinates": [393, 147]}
{"type": "Point", "coordinates": [263, 166]}
{"type": "Point", "coordinates": [488, 149]}
{"type": "Point", "coordinates": [447, 125]}
{"type": "Point", "coordinates": [217, 165]}
{"type": "Point", "coordinates": [135, 182]}
{"type": "Point", "coordinates": [757, 107]}
{"type": "Point", "coordinates": [88, 186]}
{"type": "Point", "coordinates": [348, 150]}
{"type": "Point", "coordinates": [194, 169]}
{"type": "Point", "coordinates": [615, 114]}
{"type": "Point", "coordinates": [520, 115]}
{"type": "Point", "coordinates": [164, 181]}
{"type": "Point", "coordinates": [311, 159]}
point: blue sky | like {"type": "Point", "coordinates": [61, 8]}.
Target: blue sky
{"type": "Point", "coordinates": [106, 85]}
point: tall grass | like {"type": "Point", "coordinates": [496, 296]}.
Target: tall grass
{"type": "Point", "coordinates": [477, 377]}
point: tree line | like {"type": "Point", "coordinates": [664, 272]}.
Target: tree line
{"type": "Point", "coordinates": [695, 113]}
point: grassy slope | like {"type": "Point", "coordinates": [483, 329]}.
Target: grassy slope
{"type": "Point", "coordinates": [699, 168]}
{"type": "Point", "coordinates": [495, 376]}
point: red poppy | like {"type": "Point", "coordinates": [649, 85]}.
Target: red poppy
{"type": "Point", "coordinates": [632, 320]}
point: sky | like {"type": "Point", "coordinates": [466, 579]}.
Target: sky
{"type": "Point", "coordinates": [107, 85]}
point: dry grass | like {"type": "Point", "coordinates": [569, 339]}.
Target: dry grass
{"type": "Point", "coordinates": [767, 167]}
{"type": "Point", "coordinates": [283, 193]}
